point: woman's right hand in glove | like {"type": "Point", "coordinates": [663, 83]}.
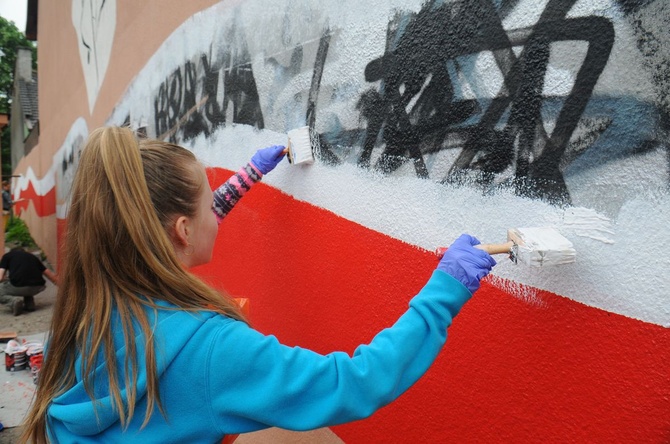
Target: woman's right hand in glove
{"type": "Point", "coordinates": [466, 263]}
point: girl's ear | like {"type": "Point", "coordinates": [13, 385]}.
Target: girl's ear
{"type": "Point", "coordinates": [181, 231]}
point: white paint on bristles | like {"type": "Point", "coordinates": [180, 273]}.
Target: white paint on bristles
{"type": "Point", "coordinates": [541, 246]}
{"type": "Point", "coordinates": [300, 146]}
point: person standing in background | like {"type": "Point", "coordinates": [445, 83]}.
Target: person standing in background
{"type": "Point", "coordinates": [7, 202]}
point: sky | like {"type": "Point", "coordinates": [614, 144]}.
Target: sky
{"type": "Point", "coordinates": [15, 10]}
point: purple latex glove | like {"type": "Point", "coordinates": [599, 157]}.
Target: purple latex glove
{"type": "Point", "coordinates": [466, 263]}
{"type": "Point", "coordinates": [266, 159]}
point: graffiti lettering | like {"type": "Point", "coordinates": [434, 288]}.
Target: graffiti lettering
{"type": "Point", "coordinates": [416, 111]}
{"type": "Point", "coordinates": [187, 105]}
{"type": "Point", "coordinates": [521, 135]}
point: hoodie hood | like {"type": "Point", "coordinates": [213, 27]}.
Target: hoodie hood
{"type": "Point", "coordinates": [75, 410]}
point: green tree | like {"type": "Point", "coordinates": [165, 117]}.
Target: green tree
{"type": "Point", "coordinates": [10, 40]}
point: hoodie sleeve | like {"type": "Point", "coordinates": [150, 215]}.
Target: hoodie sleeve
{"type": "Point", "coordinates": [255, 382]}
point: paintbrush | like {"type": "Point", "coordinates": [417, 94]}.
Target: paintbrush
{"type": "Point", "coordinates": [303, 143]}
{"type": "Point", "coordinates": [534, 247]}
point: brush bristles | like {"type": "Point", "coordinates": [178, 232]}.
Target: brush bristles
{"type": "Point", "coordinates": [541, 247]}
{"type": "Point", "coordinates": [301, 145]}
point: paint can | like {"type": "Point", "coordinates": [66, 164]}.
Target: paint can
{"type": "Point", "coordinates": [15, 357]}
{"type": "Point", "coordinates": [34, 351]}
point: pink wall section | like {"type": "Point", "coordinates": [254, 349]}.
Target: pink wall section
{"type": "Point", "coordinates": [549, 371]}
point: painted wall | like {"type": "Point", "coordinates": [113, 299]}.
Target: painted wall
{"type": "Point", "coordinates": [435, 118]}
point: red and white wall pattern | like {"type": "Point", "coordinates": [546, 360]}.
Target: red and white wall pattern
{"type": "Point", "coordinates": [435, 118]}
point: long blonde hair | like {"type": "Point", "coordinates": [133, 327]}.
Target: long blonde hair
{"type": "Point", "coordinates": [118, 256]}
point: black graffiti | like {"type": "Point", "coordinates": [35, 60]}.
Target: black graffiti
{"type": "Point", "coordinates": [92, 18]}
{"type": "Point", "coordinates": [415, 111]}
{"type": "Point", "coordinates": [324, 153]}
{"type": "Point", "coordinates": [187, 102]}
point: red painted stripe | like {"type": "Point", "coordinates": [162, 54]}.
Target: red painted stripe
{"type": "Point", "coordinates": [44, 205]}
{"type": "Point", "coordinates": [551, 371]}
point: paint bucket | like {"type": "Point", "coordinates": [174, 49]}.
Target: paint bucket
{"type": "Point", "coordinates": [15, 357]}
{"type": "Point", "coordinates": [34, 351]}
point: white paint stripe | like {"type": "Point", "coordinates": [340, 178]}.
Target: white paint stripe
{"type": "Point", "coordinates": [43, 185]}
{"type": "Point", "coordinates": [621, 272]}
{"type": "Point", "coordinates": [613, 271]}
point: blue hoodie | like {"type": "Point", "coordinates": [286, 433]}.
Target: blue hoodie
{"type": "Point", "coordinates": [218, 376]}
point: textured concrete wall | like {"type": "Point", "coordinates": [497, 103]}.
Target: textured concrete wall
{"type": "Point", "coordinates": [435, 118]}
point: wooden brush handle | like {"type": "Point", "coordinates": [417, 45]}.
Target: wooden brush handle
{"type": "Point", "coordinates": [489, 248]}
{"type": "Point", "coordinates": [496, 248]}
